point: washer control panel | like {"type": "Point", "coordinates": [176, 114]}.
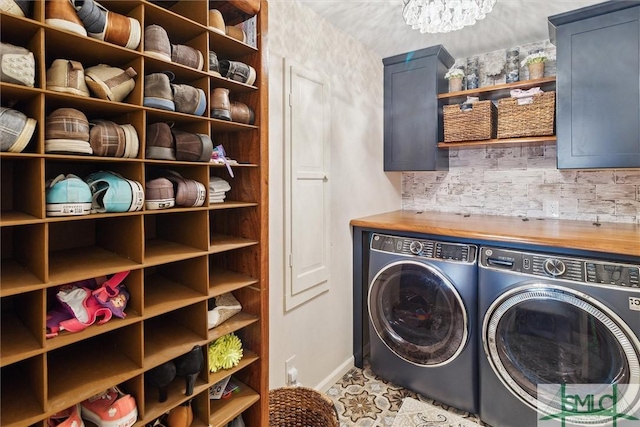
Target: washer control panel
{"type": "Point", "coordinates": [424, 248]}
{"type": "Point", "coordinates": [574, 269]}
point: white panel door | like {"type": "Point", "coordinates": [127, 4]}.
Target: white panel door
{"type": "Point", "coordinates": [307, 128]}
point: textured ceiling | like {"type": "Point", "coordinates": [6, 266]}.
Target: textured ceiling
{"type": "Point", "coordinates": [380, 26]}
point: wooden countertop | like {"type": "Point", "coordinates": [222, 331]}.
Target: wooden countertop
{"type": "Point", "coordinates": [608, 237]}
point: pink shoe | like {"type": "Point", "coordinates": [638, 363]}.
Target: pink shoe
{"type": "Point", "coordinates": [70, 417]}
{"type": "Point", "coordinates": [111, 409]}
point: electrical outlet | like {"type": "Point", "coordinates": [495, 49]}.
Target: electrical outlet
{"type": "Point", "coordinates": [552, 208]}
{"type": "Point", "coordinates": [288, 369]}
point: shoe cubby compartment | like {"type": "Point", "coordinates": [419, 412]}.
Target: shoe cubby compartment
{"type": "Point", "coordinates": [182, 72]}
{"type": "Point", "coordinates": [235, 223]}
{"type": "Point", "coordinates": [24, 33]}
{"type": "Point", "coordinates": [183, 122]}
{"type": "Point", "coordinates": [229, 408]}
{"type": "Point", "coordinates": [84, 369]}
{"type": "Point", "coordinates": [174, 236]}
{"type": "Point", "coordinates": [172, 334]}
{"type": "Point", "coordinates": [87, 165]}
{"type": "Point", "coordinates": [195, 11]}
{"type": "Point", "coordinates": [224, 411]}
{"type": "Point", "coordinates": [246, 324]}
{"type": "Point", "coordinates": [22, 392]}
{"type": "Point", "coordinates": [28, 102]}
{"type": "Point", "coordinates": [221, 242]}
{"type": "Point", "coordinates": [232, 85]}
{"type": "Point", "coordinates": [133, 310]}
{"type": "Point", "coordinates": [86, 50]}
{"type": "Point", "coordinates": [22, 322]}
{"type": "Point", "coordinates": [248, 357]}
{"type": "Point", "coordinates": [179, 28]}
{"type": "Point", "coordinates": [100, 106]}
{"type": "Point", "coordinates": [24, 258]}
{"type": "Point", "coordinates": [94, 247]}
{"type": "Point", "coordinates": [174, 285]}
{"type": "Point", "coordinates": [233, 324]}
{"type": "Point", "coordinates": [226, 272]}
{"type": "Point", "coordinates": [241, 190]}
{"type": "Point", "coordinates": [227, 47]}
{"type": "Point", "coordinates": [21, 188]}
{"type": "Point", "coordinates": [236, 145]}
{"type": "Point", "coordinates": [176, 390]}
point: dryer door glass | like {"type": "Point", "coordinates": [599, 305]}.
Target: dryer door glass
{"type": "Point", "coordinates": [537, 335]}
{"type": "Point", "coordinates": [417, 312]}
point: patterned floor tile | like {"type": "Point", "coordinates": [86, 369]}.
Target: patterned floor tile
{"type": "Point", "coordinates": [365, 400]}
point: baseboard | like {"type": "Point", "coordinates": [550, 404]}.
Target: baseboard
{"type": "Point", "coordinates": [333, 377]}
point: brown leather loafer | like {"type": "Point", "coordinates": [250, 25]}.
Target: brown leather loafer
{"type": "Point", "coordinates": [61, 14]}
{"type": "Point", "coordinates": [242, 113]}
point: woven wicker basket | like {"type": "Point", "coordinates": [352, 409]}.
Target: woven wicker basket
{"type": "Point", "coordinates": [535, 119]}
{"type": "Point", "coordinates": [475, 123]}
{"type": "Point", "coordinates": [301, 407]}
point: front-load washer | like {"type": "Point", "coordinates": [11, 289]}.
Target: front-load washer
{"type": "Point", "coordinates": [557, 330]}
{"type": "Point", "coordinates": [422, 317]}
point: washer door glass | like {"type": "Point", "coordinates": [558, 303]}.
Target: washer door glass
{"type": "Point", "coordinates": [552, 335]}
{"type": "Point", "coordinates": [418, 313]}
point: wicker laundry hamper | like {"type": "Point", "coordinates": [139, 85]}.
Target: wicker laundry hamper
{"type": "Point", "coordinates": [301, 407]}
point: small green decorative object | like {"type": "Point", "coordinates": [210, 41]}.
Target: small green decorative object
{"type": "Point", "coordinates": [225, 352]}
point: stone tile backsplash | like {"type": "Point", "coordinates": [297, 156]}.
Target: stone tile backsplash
{"type": "Point", "coordinates": [519, 181]}
{"type": "Point", "coordinates": [522, 180]}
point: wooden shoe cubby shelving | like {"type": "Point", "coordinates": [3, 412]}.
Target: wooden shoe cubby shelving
{"type": "Point", "coordinates": [178, 258]}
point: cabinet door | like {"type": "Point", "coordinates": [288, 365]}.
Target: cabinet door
{"type": "Point", "coordinates": [411, 116]}
{"type": "Point", "coordinates": [598, 89]}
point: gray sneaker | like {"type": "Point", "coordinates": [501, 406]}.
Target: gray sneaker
{"type": "Point", "coordinates": [238, 71]}
{"type": "Point", "coordinates": [159, 194]}
{"type": "Point", "coordinates": [189, 99]}
{"type": "Point", "coordinates": [16, 130]}
{"type": "Point", "coordinates": [156, 42]}
{"type": "Point", "coordinates": [157, 91]}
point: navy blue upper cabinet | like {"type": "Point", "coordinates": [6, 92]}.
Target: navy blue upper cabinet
{"type": "Point", "coordinates": [598, 85]}
{"type": "Point", "coordinates": [412, 82]}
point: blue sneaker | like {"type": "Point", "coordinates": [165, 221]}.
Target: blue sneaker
{"type": "Point", "coordinates": [67, 195]}
{"type": "Point", "coordinates": [114, 193]}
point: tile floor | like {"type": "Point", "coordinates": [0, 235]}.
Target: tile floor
{"type": "Point", "coordinates": [365, 400]}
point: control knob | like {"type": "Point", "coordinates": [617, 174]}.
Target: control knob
{"type": "Point", "coordinates": [416, 247]}
{"type": "Point", "coordinates": [554, 267]}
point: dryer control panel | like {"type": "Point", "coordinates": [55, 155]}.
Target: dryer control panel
{"type": "Point", "coordinates": [424, 248]}
{"type": "Point", "coordinates": [574, 269]}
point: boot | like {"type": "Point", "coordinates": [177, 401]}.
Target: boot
{"type": "Point", "coordinates": [220, 105]}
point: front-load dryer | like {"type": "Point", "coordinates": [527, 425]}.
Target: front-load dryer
{"type": "Point", "coordinates": [422, 317]}
{"type": "Point", "coordinates": [556, 331]}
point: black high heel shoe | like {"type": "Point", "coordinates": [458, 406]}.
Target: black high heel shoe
{"type": "Point", "coordinates": [189, 365]}
{"type": "Point", "coordinates": [160, 377]}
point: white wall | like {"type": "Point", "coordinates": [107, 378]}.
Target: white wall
{"type": "Point", "coordinates": [319, 332]}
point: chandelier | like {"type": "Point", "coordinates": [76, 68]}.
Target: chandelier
{"type": "Point", "coordinates": [442, 16]}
